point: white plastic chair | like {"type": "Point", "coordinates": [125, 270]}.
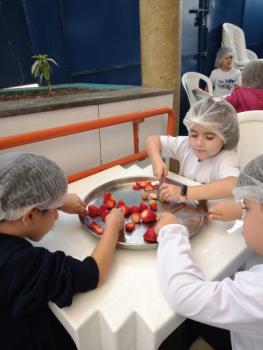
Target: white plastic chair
{"type": "Point", "coordinates": [251, 136]}
{"type": "Point", "coordinates": [190, 81]}
{"type": "Point", "coordinates": [233, 37]}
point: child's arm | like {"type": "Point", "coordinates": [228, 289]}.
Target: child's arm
{"type": "Point", "coordinates": [214, 190]}
{"type": "Point", "coordinates": [153, 147]}
{"type": "Point", "coordinates": [227, 211]}
{"type": "Point", "coordinates": [73, 205]}
{"type": "Point", "coordinates": [104, 251]}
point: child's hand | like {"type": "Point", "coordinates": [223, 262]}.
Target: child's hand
{"type": "Point", "coordinates": [225, 211]}
{"type": "Point", "coordinates": [164, 219]}
{"type": "Point", "coordinates": [169, 192]}
{"type": "Point", "coordinates": [115, 219]}
{"type": "Point", "coordinates": [73, 205]}
{"type": "Point", "coordinates": [159, 169]}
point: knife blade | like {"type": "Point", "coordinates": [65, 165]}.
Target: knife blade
{"type": "Point", "coordinates": [187, 214]}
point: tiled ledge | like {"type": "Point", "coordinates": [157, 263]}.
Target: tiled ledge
{"type": "Point", "coordinates": [33, 105]}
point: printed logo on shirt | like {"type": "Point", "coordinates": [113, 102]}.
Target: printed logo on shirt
{"type": "Point", "coordinates": [226, 84]}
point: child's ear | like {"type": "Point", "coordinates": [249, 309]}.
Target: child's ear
{"type": "Point", "coordinates": [30, 216]}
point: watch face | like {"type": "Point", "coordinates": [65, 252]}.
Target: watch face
{"type": "Point", "coordinates": [183, 190]}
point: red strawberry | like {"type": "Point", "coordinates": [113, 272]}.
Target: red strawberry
{"type": "Point", "coordinates": [141, 184]}
{"type": "Point", "coordinates": [136, 218]}
{"type": "Point", "coordinates": [148, 216]}
{"type": "Point", "coordinates": [134, 209]}
{"type": "Point", "coordinates": [136, 187]}
{"type": "Point", "coordinates": [125, 209]}
{"type": "Point", "coordinates": [153, 195]}
{"type": "Point", "coordinates": [110, 203]}
{"type": "Point", "coordinates": [106, 196]}
{"type": "Point", "coordinates": [150, 235]}
{"type": "Point", "coordinates": [143, 206]}
{"type": "Point", "coordinates": [104, 213]}
{"type": "Point", "coordinates": [103, 207]}
{"type": "Point", "coordinates": [153, 204]}
{"type": "Point", "coordinates": [144, 196]}
{"type": "Point", "coordinates": [130, 226]}
{"type": "Point", "coordinates": [96, 228]}
{"type": "Point", "coordinates": [120, 203]}
{"type": "Point", "coordinates": [93, 211]}
{"type": "Point", "coordinates": [148, 188]}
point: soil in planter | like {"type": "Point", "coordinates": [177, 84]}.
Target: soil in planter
{"type": "Point", "coordinates": [7, 96]}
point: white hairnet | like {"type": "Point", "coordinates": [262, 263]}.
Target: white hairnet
{"type": "Point", "coordinates": [252, 74]}
{"type": "Point", "coordinates": [28, 180]}
{"type": "Point", "coordinates": [250, 181]}
{"type": "Point", "coordinates": [221, 54]}
{"type": "Point", "coordinates": [217, 115]}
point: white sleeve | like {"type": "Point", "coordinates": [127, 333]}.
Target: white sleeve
{"type": "Point", "coordinates": [170, 146]}
{"type": "Point", "coordinates": [228, 165]}
{"type": "Point", "coordinates": [235, 305]}
{"type": "Point", "coordinates": [212, 77]}
{"type": "Point", "coordinates": [238, 80]}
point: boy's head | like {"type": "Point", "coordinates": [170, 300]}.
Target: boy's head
{"type": "Point", "coordinates": [29, 181]}
{"type": "Point", "coordinates": [213, 116]}
{"type": "Point", "coordinates": [249, 190]}
{"type": "Point", "coordinates": [252, 74]}
{"type": "Point", "coordinates": [224, 58]}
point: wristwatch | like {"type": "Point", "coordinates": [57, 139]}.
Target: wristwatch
{"type": "Point", "coordinates": [183, 192]}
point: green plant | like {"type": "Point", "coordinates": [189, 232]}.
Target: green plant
{"type": "Point", "coordinates": [42, 70]}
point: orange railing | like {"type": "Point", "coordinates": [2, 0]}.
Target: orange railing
{"type": "Point", "coordinates": [135, 118]}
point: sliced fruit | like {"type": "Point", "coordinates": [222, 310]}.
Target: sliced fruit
{"type": "Point", "coordinates": [148, 188]}
{"type": "Point", "coordinates": [130, 226]}
{"type": "Point", "coordinates": [134, 209]}
{"type": "Point", "coordinates": [153, 204]}
{"type": "Point", "coordinates": [125, 209]}
{"type": "Point", "coordinates": [143, 206]}
{"type": "Point", "coordinates": [110, 203]}
{"type": "Point", "coordinates": [103, 207]}
{"type": "Point", "coordinates": [104, 213]}
{"type": "Point", "coordinates": [93, 211]}
{"type": "Point", "coordinates": [106, 196]}
{"type": "Point", "coordinates": [153, 195]}
{"type": "Point", "coordinates": [141, 184]}
{"type": "Point", "coordinates": [148, 216]}
{"type": "Point", "coordinates": [136, 187]}
{"type": "Point", "coordinates": [150, 235]}
{"type": "Point", "coordinates": [136, 218]}
{"type": "Point", "coordinates": [120, 203]}
{"type": "Point", "coordinates": [96, 228]}
{"type": "Point", "coordinates": [144, 196]}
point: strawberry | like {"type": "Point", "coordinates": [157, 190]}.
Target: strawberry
{"type": "Point", "coordinates": [125, 209]}
{"type": "Point", "coordinates": [103, 207]}
{"type": "Point", "coordinates": [148, 216]}
{"type": "Point", "coordinates": [136, 187]}
{"type": "Point", "coordinates": [144, 196]}
{"type": "Point", "coordinates": [120, 203]}
{"type": "Point", "coordinates": [93, 211]}
{"type": "Point", "coordinates": [110, 203]}
{"type": "Point", "coordinates": [136, 218]}
{"type": "Point", "coordinates": [148, 188]}
{"type": "Point", "coordinates": [153, 195]}
{"type": "Point", "coordinates": [141, 184]}
{"type": "Point", "coordinates": [104, 213]}
{"type": "Point", "coordinates": [150, 235]}
{"type": "Point", "coordinates": [134, 209]}
{"type": "Point", "coordinates": [96, 228]}
{"type": "Point", "coordinates": [143, 206]}
{"type": "Point", "coordinates": [153, 204]}
{"type": "Point", "coordinates": [130, 226]}
{"type": "Point", "coordinates": [106, 196]}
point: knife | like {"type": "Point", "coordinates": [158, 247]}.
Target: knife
{"type": "Point", "coordinates": [187, 214]}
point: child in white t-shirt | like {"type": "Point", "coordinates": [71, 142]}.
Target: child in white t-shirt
{"type": "Point", "coordinates": [234, 305]}
{"type": "Point", "coordinates": [225, 77]}
{"type": "Point", "coordinates": [207, 155]}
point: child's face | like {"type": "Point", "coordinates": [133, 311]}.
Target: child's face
{"type": "Point", "coordinates": [227, 62]}
{"type": "Point", "coordinates": [253, 225]}
{"type": "Point", "coordinates": [204, 142]}
{"type": "Point", "coordinates": [44, 222]}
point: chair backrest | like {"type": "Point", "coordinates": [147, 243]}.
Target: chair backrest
{"type": "Point", "coordinates": [233, 37]}
{"type": "Point", "coordinates": [191, 81]}
{"type": "Point", "coordinates": [250, 142]}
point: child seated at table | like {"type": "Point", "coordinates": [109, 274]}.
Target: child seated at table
{"type": "Point", "coordinates": [207, 155]}
{"type": "Point", "coordinates": [225, 77]}
{"type": "Point", "coordinates": [249, 96]}
{"type": "Point", "coordinates": [32, 189]}
{"type": "Point", "coordinates": [234, 305]}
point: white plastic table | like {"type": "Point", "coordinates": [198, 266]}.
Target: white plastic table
{"type": "Point", "coordinates": [129, 310]}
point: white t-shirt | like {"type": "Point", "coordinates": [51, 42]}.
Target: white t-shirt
{"type": "Point", "coordinates": [223, 82]}
{"type": "Point", "coordinates": [223, 164]}
{"type": "Point", "coordinates": [236, 305]}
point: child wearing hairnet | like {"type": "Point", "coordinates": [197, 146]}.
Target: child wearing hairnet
{"type": "Point", "coordinates": [32, 189]}
{"type": "Point", "coordinates": [236, 305]}
{"type": "Point", "coordinates": [249, 96]}
{"type": "Point", "coordinates": [225, 77]}
{"type": "Point", "coordinates": [207, 155]}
